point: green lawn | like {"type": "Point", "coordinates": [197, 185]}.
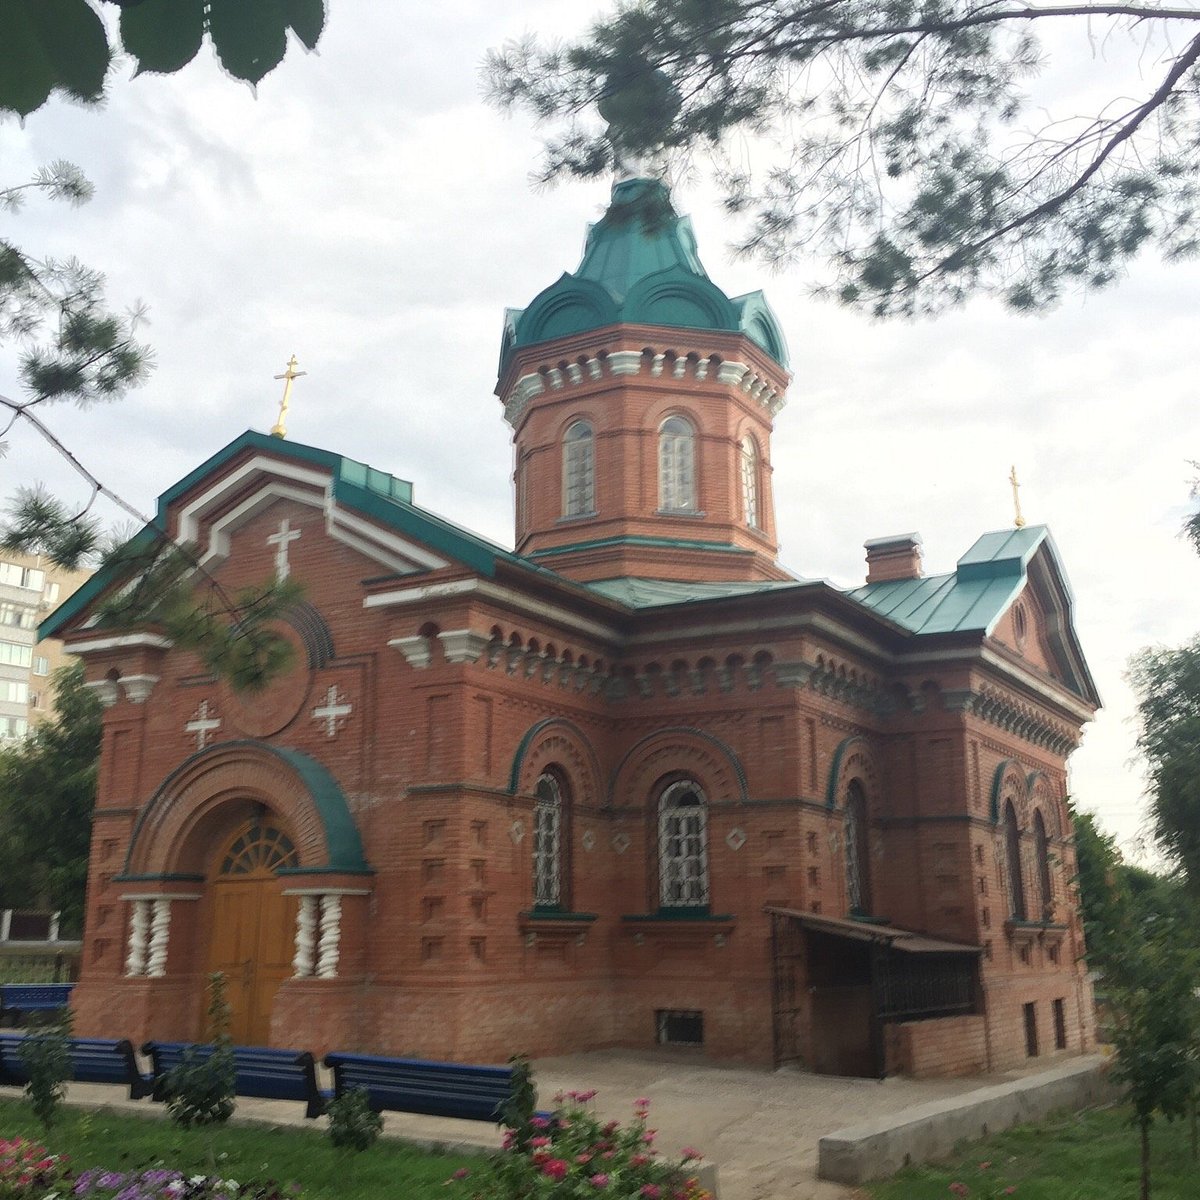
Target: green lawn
{"type": "Point", "coordinates": [1091, 1155]}
{"type": "Point", "coordinates": [121, 1142]}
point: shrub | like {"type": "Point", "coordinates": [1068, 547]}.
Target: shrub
{"type": "Point", "coordinates": [352, 1124]}
{"type": "Point", "coordinates": [200, 1090]}
{"type": "Point", "coordinates": [571, 1153]}
{"type": "Point", "coordinates": [46, 1055]}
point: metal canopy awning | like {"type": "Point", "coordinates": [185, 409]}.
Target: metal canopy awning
{"type": "Point", "coordinates": [904, 940]}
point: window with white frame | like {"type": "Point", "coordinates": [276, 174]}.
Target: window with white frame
{"type": "Point", "coordinates": [682, 846]}
{"type": "Point", "coordinates": [548, 842]}
{"type": "Point", "coordinates": [41, 664]}
{"type": "Point", "coordinates": [13, 691]}
{"type": "Point", "coordinates": [676, 466]}
{"type": "Point", "coordinates": [12, 728]}
{"type": "Point", "coordinates": [748, 467]}
{"type": "Point", "coordinates": [22, 577]}
{"type": "Point", "coordinates": [18, 616]}
{"type": "Point", "coordinates": [579, 473]}
{"type": "Point", "coordinates": [51, 593]}
{"type": "Point", "coordinates": [13, 654]}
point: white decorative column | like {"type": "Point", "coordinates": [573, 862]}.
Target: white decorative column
{"type": "Point", "coordinates": [306, 937]}
{"type": "Point", "coordinates": [139, 934]}
{"type": "Point", "coordinates": [160, 933]}
{"type": "Point", "coordinates": [329, 949]}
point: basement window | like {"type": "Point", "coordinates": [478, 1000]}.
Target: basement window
{"type": "Point", "coordinates": [676, 1028]}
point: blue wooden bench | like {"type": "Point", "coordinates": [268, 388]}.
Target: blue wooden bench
{"type": "Point", "coordinates": [261, 1071]}
{"type": "Point", "coordinates": [437, 1089]}
{"type": "Point", "coordinates": [93, 1060]}
{"type": "Point", "coordinates": [34, 997]}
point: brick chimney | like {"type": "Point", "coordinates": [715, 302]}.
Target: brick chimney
{"type": "Point", "coordinates": [897, 557]}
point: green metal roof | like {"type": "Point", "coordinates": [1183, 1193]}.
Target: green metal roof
{"type": "Point", "coordinates": [369, 491]}
{"type": "Point", "coordinates": [652, 593]}
{"type": "Point", "coordinates": [640, 266]}
{"type": "Point", "coordinates": [985, 582]}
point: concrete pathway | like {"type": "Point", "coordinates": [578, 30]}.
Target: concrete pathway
{"type": "Point", "coordinates": [759, 1127]}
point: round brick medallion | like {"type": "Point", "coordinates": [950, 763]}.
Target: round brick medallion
{"type": "Point", "coordinates": [260, 714]}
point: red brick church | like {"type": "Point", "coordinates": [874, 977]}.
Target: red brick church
{"type": "Point", "coordinates": [629, 784]}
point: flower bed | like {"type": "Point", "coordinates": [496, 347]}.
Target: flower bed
{"type": "Point", "coordinates": [29, 1172]}
{"type": "Point", "coordinates": [573, 1154]}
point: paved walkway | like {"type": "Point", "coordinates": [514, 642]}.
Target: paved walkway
{"type": "Point", "coordinates": [759, 1127]}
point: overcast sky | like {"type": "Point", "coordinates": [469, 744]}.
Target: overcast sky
{"type": "Point", "coordinates": [369, 213]}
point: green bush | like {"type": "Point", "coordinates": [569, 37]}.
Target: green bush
{"type": "Point", "coordinates": [352, 1124]}
{"type": "Point", "coordinates": [200, 1090]}
{"type": "Point", "coordinates": [46, 1055]}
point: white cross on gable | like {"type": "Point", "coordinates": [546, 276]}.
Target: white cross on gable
{"type": "Point", "coordinates": [333, 712]}
{"type": "Point", "coordinates": [202, 724]}
{"type": "Point", "coordinates": [280, 541]}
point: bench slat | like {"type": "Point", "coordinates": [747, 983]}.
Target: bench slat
{"type": "Point", "coordinates": [93, 1060]}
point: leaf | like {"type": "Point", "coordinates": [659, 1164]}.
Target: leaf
{"type": "Point", "coordinates": [249, 36]}
{"type": "Point", "coordinates": [74, 42]}
{"type": "Point", "coordinates": [306, 19]}
{"type": "Point", "coordinates": [163, 35]}
{"type": "Point", "coordinates": [26, 75]}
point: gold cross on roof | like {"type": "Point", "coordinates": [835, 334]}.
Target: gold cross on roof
{"type": "Point", "coordinates": [278, 429]}
{"type": "Point", "coordinates": [1019, 521]}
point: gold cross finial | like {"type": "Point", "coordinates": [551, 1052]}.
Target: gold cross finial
{"type": "Point", "coordinates": [279, 430]}
{"type": "Point", "coordinates": [1019, 520]}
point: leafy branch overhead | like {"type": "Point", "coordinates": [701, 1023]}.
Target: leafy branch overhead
{"type": "Point", "coordinates": [63, 46]}
{"type": "Point", "coordinates": [904, 140]}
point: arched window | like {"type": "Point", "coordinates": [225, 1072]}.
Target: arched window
{"type": "Point", "coordinates": [748, 470]}
{"type": "Point", "coordinates": [682, 846]}
{"type": "Point", "coordinates": [1045, 884]}
{"type": "Point", "coordinates": [1012, 856]}
{"type": "Point", "coordinates": [579, 474]}
{"type": "Point", "coordinates": [858, 858]}
{"type": "Point", "coordinates": [676, 466]}
{"type": "Point", "coordinates": [548, 842]}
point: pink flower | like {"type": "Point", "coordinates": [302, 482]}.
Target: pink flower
{"type": "Point", "coordinates": [639, 1160]}
{"type": "Point", "coordinates": [539, 1141]}
{"type": "Point", "coordinates": [983, 1166]}
{"type": "Point", "coordinates": [651, 1191]}
{"type": "Point", "coordinates": [610, 1128]}
{"type": "Point", "coordinates": [539, 1122]}
{"type": "Point", "coordinates": [583, 1159]}
{"type": "Point", "coordinates": [584, 1097]}
{"type": "Point", "coordinates": [461, 1173]}
{"type": "Point", "coordinates": [1008, 1191]}
{"type": "Point", "coordinates": [599, 1180]}
{"type": "Point", "coordinates": [555, 1168]}
{"type": "Point", "coordinates": [649, 1136]}
{"type": "Point", "coordinates": [690, 1155]}
{"type": "Point", "coordinates": [642, 1102]}
{"type": "Point", "coordinates": [960, 1189]}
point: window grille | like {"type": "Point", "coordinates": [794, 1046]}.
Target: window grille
{"type": "Point", "coordinates": [579, 475]}
{"type": "Point", "coordinates": [858, 863]}
{"type": "Point", "coordinates": [1045, 883]}
{"type": "Point", "coordinates": [682, 846]}
{"type": "Point", "coordinates": [1012, 854]}
{"type": "Point", "coordinates": [547, 843]}
{"type": "Point", "coordinates": [748, 462]}
{"type": "Point", "coordinates": [259, 847]}
{"type": "Point", "coordinates": [676, 466]}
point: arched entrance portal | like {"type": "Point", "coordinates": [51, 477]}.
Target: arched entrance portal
{"type": "Point", "coordinates": [253, 925]}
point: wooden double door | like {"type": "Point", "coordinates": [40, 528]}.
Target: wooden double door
{"type": "Point", "coordinates": [253, 928]}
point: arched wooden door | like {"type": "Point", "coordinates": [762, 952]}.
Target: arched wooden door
{"type": "Point", "coordinates": [253, 927]}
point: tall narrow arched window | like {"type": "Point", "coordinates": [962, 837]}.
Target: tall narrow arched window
{"type": "Point", "coordinates": [579, 471]}
{"type": "Point", "coordinates": [676, 466]}
{"type": "Point", "coordinates": [1012, 857]}
{"type": "Point", "coordinates": [548, 826]}
{"type": "Point", "coordinates": [748, 470]}
{"type": "Point", "coordinates": [1045, 885]}
{"type": "Point", "coordinates": [682, 846]}
{"type": "Point", "coordinates": [858, 857]}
